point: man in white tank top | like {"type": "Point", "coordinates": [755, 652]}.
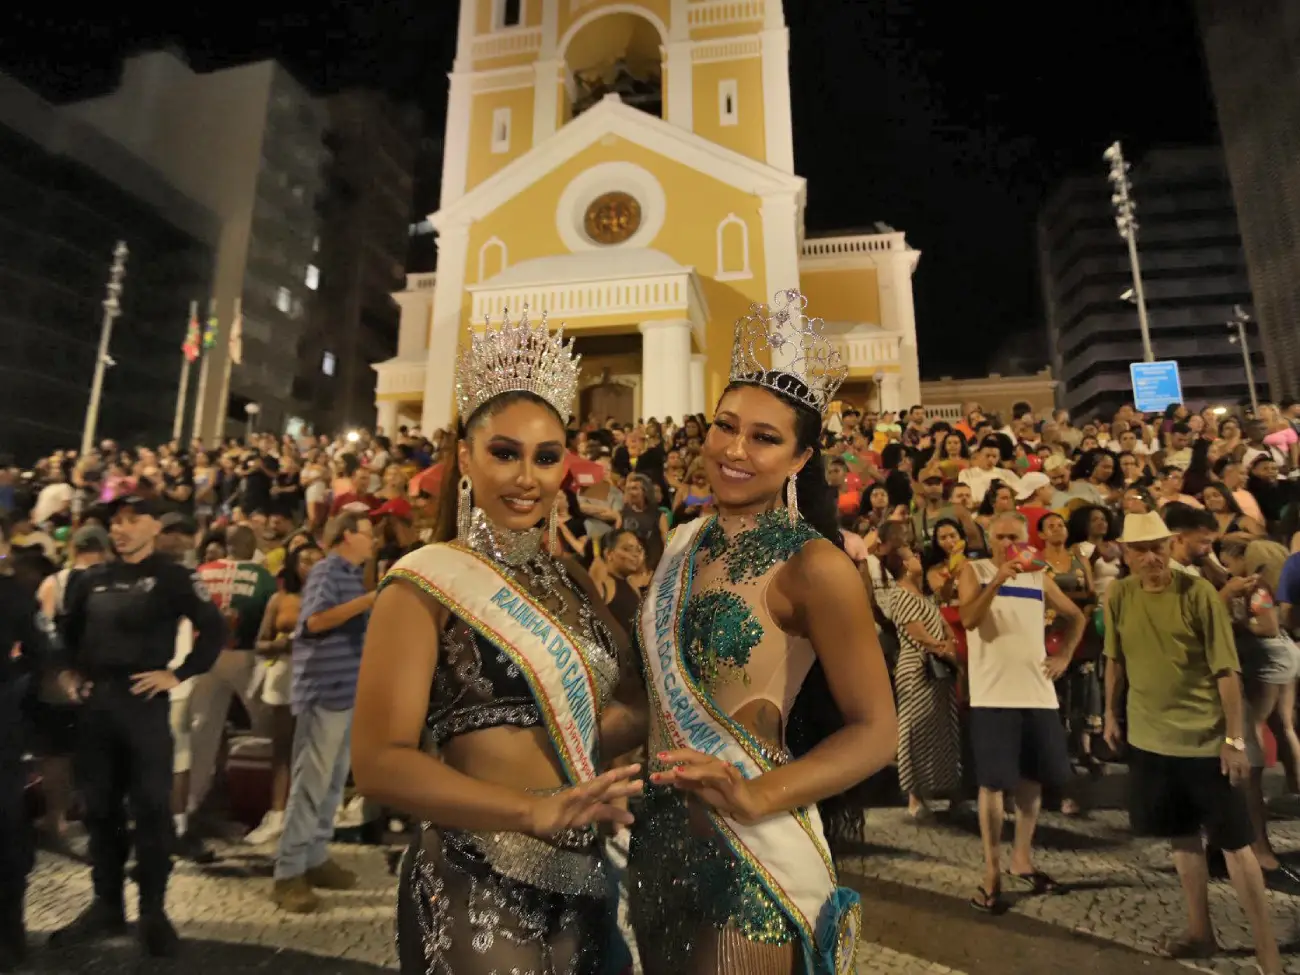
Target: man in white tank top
{"type": "Point", "coordinates": [1016, 734]}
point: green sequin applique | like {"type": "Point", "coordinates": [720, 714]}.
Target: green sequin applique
{"type": "Point", "coordinates": [721, 630]}
{"type": "Point", "coordinates": [751, 553]}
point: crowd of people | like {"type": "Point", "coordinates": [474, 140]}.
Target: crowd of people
{"type": "Point", "coordinates": [1048, 598]}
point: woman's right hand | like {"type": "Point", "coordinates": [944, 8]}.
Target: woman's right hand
{"type": "Point", "coordinates": [584, 805]}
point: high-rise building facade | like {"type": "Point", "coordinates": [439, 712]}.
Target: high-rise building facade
{"type": "Point", "coordinates": [1193, 269]}
{"type": "Point", "coordinates": [366, 215]}
{"type": "Point", "coordinates": [70, 194]}
{"type": "Point", "coordinates": [248, 143]}
{"type": "Point", "coordinates": [1252, 50]}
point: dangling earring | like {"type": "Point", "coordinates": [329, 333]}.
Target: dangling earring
{"type": "Point", "coordinates": [464, 508]}
{"type": "Point", "coordinates": [553, 528]}
{"type": "Point", "coordinates": [792, 501]}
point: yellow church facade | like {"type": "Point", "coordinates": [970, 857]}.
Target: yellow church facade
{"type": "Point", "coordinates": [628, 168]}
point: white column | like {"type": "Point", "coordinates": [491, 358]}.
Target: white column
{"type": "Point", "coordinates": [891, 393]}
{"type": "Point", "coordinates": [780, 214]}
{"type": "Point", "coordinates": [699, 387]}
{"type": "Point", "coordinates": [455, 156]}
{"type": "Point", "coordinates": [778, 117]}
{"type": "Point", "coordinates": [546, 107]}
{"type": "Point", "coordinates": [444, 338]}
{"type": "Point", "coordinates": [666, 368]}
{"type": "Point", "coordinates": [413, 327]}
{"type": "Point", "coordinates": [680, 96]}
{"type": "Point", "coordinates": [386, 417]}
{"type": "Point", "coordinates": [679, 28]}
{"type": "Point", "coordinates": [904, 263]}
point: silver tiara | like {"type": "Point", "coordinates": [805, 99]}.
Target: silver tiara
{"type": "Point", "coordinates": [517, 357]}
{"type": "Point", "coordinates": [805, 366]}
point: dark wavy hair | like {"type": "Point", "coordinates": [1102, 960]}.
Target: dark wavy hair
{"type": "Point", "coordinates": [291, 576]}
{"type": "Point", "coordinates": [815, 716]}
{"type": "Point", "coordinates": [448, 500]}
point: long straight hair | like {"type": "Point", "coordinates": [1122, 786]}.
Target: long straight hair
{"type": "Point", "coordinates": [815, 716]}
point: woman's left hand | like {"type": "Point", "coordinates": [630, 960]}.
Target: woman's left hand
{"type": "Point", "coordinates": [712, 781]}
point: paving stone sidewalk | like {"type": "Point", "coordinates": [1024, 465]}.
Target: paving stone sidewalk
{"type": "Point", "coordinates": [1122, 889]}
{"type": "Point", "coordinates": [229, 925]}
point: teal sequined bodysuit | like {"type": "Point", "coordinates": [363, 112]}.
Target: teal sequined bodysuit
{"type": "Point", "coordinates": [695, 906]}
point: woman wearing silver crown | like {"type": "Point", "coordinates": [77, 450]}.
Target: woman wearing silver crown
{"type": "Point", "coordinates": [508, 656]}
{"type": "Point", "coordinates": [769, 696]}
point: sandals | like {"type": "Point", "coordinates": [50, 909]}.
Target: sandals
{"type": "Point", "coordinates": [1039, 882]}
{"type": "Point", "coordinates": [987, 902]}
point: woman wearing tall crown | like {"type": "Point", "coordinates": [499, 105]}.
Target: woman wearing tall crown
{"type": "Point", "coordinates": [508, 656]}
{"type": "Point", "coordinates": [768, 691]}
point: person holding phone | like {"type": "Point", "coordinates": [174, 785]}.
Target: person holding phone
{"type": "Point", "coordinates": [1017, 737]}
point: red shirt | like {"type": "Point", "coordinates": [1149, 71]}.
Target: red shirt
{"type": "Point", "coordinates": [1033, 514]}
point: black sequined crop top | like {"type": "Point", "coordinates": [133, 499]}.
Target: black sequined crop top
{"type": "Point", "coordinates": [478, 686]}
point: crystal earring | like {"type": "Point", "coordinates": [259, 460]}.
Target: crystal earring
{"type": "Point", "coordinates": [792, 501]}
{"type": "Point", "coordinates": [464, 508]}
{"type": "Point", "coordinates": [553, 528]}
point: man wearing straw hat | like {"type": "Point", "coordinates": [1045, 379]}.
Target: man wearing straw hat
{"type": "Point", "coordinates": [1169, 639]}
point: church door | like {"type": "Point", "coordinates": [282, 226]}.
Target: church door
{"type": "Point", "coordinates": [609, 400]}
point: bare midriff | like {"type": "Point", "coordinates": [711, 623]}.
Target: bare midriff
{"type": "Point", "coordinates": [522, 758]}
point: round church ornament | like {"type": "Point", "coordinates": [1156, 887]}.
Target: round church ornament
{"type": "Point", "coordinates": [612, 218]}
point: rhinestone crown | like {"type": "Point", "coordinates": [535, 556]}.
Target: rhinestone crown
{"type": "Point", "coordinates": [806, 366]}
{"type": "Point", "coordinates": [517, 357]}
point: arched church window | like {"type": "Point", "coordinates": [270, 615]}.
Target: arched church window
{"type": "Point", "coordinates": [733, 249]}
{"type": "Point", "coordinates": [616, 53]}
{"type": "Point", "coordinates": [492, 258]}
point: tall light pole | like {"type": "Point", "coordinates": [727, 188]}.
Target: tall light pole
{"type": "Point", "coordinates": [1240, 319]}
{"type": "Point", "coordinates": [112, 309]}
{"type": "Point", "coordinates": [1122, 199]}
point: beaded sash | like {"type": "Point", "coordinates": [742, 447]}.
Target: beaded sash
{"type": "Point", "coordinates": [559, 675]}
{"type": "Point", "coordinates": [788, 852]}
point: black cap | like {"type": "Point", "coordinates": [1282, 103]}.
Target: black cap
{"type": "Point", "coordinates": [138, 504]}
{"type": "Point", "coordinates": [177, 523]}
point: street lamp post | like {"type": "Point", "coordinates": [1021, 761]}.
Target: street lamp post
{"type": "Point", "coordinates": [112, 308]}
{"type": "Point", "coordinates": [1240, 319]}
{"type": "Point", "coordinates": [1126, 222]}
{"type": "Point", "coordinates": [251, 410]}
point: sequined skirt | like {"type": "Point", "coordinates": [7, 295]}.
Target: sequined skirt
{"type": "Point", "coordinates": [688, 893]}
{"type": "Point", "coordinates": [471, 903]}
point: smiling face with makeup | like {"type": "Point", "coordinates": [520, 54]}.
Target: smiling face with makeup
{"type": "Point", "coordinates": [514, 454]}
{"type": "Point", "coordinates": [751, 450]}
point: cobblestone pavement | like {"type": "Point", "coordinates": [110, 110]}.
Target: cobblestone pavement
{"type": "Point", "coordinates": [1124, 894]}
{"type": "Point", "coordinates": [229, 926]}
{"type": "Point", "coordinates": [1123, 890]}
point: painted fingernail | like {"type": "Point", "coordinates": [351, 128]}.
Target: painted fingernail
{"type": "Point", "coordinates": [662, 755]}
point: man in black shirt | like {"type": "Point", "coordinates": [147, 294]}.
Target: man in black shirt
{"type": "Point", "coordinates": [21, 625]}
{"type": "Point", "coordinates": [258, 483]}
{"type": "Point", "coordinates": [119, 637]}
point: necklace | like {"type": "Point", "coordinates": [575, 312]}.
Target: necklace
{"type": "Point", "coordinates": [520, 558]}
{"type": "Point", "coordinates": [750, 545]}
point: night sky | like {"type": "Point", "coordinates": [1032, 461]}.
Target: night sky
{"type": "Point", "coordinates": [945, 120]}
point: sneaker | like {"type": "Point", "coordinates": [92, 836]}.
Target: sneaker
{"type": "Point", "coordinates": [97, 922]}
{"type": "Point", "coordinates": [268, 830]}
{"type": "Point", "coordinates": [330, 876]}
{"type": "Point", "coordinates": [295, 896]}
{"type": "Point", "coordinates": [158, 939]}
{"type": "Point", "coordinates": [351, 815]}
{"type": "Point", "coordinates": [188, 846]}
